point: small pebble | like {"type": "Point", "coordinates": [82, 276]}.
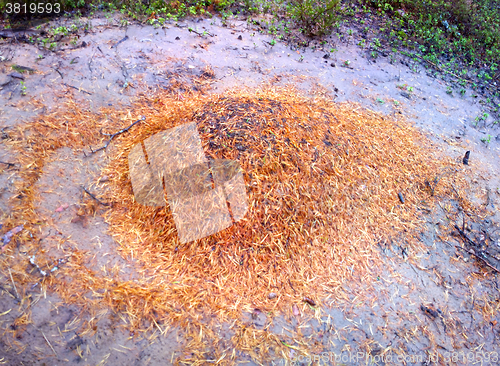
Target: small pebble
{"type": "Point", "coordinates": [272, 295]}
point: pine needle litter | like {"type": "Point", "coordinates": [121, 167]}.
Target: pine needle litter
{"type": "Point", "coordinates": [328, 186]}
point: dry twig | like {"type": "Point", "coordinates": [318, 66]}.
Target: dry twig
{"type": "Point", "coordinates": [95, 198]}
{"type": "Point", "coordinates": [115, 134]}
{"type": "Point", "coordinates": [79, 89]}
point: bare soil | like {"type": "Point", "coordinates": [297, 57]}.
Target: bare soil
{"type": "Point", "coordinates": [441, 302]}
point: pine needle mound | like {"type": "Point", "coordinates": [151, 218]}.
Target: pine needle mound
{"type": "Point", "coordinates": [328, 186]}
{"type": "Point", "coordinates": [322, 179]}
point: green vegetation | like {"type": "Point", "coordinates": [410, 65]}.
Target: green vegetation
{"type": "Point", "coordinates": [444, 27]}
{"type": "Point", "coordinates": [405, 87]}
{"type": "Point", "coordinates": [487, 139]}
{"type": "Point", "coordinates": [433, 29]}
{"type": "Point", "coordinates": [456, 40]}
{"type": "Point", "coordinates": [23, 88]}
{"type": "Point", "coordinates": [315, 17]}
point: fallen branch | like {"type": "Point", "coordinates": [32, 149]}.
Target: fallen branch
{"type": "Point", "coordinates": [95, 198]}
{"type": "Point", "coordinates": [113, 136]}
{"type": "Point", "coordinates": [472, 252]}
{"type": "Point", "coordinates": [479, 257]}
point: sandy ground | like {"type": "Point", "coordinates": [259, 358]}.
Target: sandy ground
{"type": "Point", "coordinates": [443, 300]}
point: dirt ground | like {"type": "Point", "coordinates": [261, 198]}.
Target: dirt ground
{"type": "Point", "coordinates": [441, 307]}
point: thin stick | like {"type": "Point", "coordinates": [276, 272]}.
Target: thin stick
{"type": "Point", "coordinates": [8, 164]}
{"type": "Point", "coordinates": [464, 235]}
{"type": "Point", "coordinates": [115, 134]}
{"type": "Point", "coordinates": [470, 242]}
{"type": "Point", "coordinates": [60, 74]}
{"type": "Point", "coordinates": [479, 257]}
{"type": "Point", "coordinates": [90, 62]}
{"type": "Point", "coordinates": [52, 348]}
{"type": "Point", "coordinates": [120, 41]}
{"type": "Point", "coordinates": [290, 282]}
{"type": "Point", "coordinates": [13, 284]}
{"type": "Point", "coordinates": [94, 197]}
{"type": "Point", "coordinates": [79, 89]}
